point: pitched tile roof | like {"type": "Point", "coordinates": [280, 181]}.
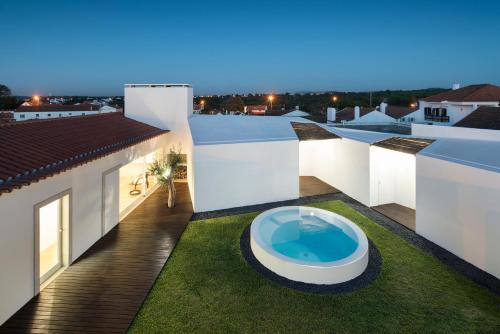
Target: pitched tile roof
{"type": "Point", "coordinates": [399, 111]}
{"type": "Point", "coordinates": [482, 118]}
{"type": "Point", "coordinates": [404, 144]}
{"type": "Point", "coordinates": [57, 107]}
{"type": "Point", "coordinates": [472, 93]}
{"type": "Point", "coordinates": [34, 150]}
{"type": "Point", "coordinates": [347, 114]}
{"type": "Point", "coordinates": [311, 131]}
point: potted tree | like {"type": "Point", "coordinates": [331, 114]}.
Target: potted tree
{"type": "Point", "coordinates": [163, 169]}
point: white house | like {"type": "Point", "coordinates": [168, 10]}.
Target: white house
{"type": "Point", "coordinates": [450, 107]}
{"type": "Point", "coordinates": [66, 182]}
{"type": "Point", "coordinates": [46, 111]}
{"type": "Point", "coordinates": [369, 115]}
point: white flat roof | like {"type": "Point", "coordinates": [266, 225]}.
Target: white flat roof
{"type": "Point", "coordinates": [475, 153]}
{"type": "Point", "coordinates": [228, 129]}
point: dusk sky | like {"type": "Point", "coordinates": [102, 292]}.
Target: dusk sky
{"type": "Point", "coordinates": [94, 47]}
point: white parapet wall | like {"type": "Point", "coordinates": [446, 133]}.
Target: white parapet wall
{"type": "Point", "coordinates": [17, 256]}
{"type": "Point", "coordinates": [424, 130]}
{"type": "Point", "coordinates": [240, 174]}
{"type": "Point", "coordinates": [458, 209]}
{"type": "Point", "coordinates": [392, 177]}
{"type": "Point", "coordinates": [342, 163]}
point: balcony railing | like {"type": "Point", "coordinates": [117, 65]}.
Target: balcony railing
{"type": "Point", "coordinates": [437, 118]}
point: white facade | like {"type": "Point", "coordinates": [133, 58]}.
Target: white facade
{"type": "Point", "coordinates": [240, 174]}
{"type": "Point", "coordinates": [392, 177]}
{"type": "Point", "coordinates": [85, 185]}
{"type": "Point", "coordinates": [458, 209]}
{"type": "Point", "coordinates": [455, 111]}
{"type": "Point", "coordinates": [342, 163]}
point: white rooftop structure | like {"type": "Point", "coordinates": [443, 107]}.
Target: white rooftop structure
{"type": "Point", "coordinates": [473, 153]}
{"type": "Point", "coordinates": [229, 129]}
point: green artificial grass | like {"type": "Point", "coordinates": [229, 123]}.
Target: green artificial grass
{"type": "Point", "coordinates": [207, 286]}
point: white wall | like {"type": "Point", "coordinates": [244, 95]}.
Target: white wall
{"type": "Point", "coordinates": [166, 107]}
{"type": "Point", "coordinates": [23, 116]}
{"type": "Point", "coordinates": [240, 174]}
{"type": "Point", "coordinates": [392, 176]}
{"type": "Point", "coordinates": [425, 130]}
{"type": "Point", "coordinates": [17, 222]}
{"type": "Point", "coordinates": [458, 209]}
{"type": "Point", "coordinates": [342, 163]}
{"type": "Point", "coordinates": [455, 110]}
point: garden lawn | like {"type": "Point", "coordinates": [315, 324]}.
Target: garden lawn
{"type": "Point", "coordinates": [207, 286]}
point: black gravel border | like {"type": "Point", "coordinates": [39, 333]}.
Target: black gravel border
{"type": "Point", "coordinates": [366, 278]}
{"type": "Point", "coordinates": [470, 271]}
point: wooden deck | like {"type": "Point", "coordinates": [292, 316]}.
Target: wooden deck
{"type": "Point", "coordinates": [401, 214]}
{"type": "Point", "coordinates": [311, 186]}
{"type": "Point", "coordinates": [103, 290]}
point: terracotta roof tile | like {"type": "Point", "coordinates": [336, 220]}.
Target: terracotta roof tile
{"type": "Point", "coordinates": [482, 118]}
{"type": "Point", "coordinates": [399, 111]}
{"type": "Point", "coordinates": [34, 150]}
{"type": "Point", "coordinates": [347, 114]}
{"type": "Point", "coordinates": [472, 93]}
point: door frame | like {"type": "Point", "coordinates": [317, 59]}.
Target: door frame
{"type": "Point", "coordinates": [103, 189]}
{"type": "Point", "coordinates": [65, 238]}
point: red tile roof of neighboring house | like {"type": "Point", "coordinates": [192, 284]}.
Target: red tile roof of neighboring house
{"type": "Point", "coordinates": [482, 118]}
{"type": "Point", "coordinates": [257, 107]}
{"type": "Point", "coordinates": [347, 114]}
{"type": "Point", "coordinates": [473, 93]}
{"type": "Point", "coordinates": [57, 108]}
{"type": "Point", "coordinates": [399, 111]}
{"type": "Point", "coordinates": [34, 150]}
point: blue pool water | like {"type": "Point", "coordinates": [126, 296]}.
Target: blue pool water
{"type": "Point", "coordinates": [306, 237]}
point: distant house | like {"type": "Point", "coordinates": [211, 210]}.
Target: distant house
{"type": "Point", "coordinates": [255, 110]}
{"type": "Point", "coordinates": [450, 107]}
{"type": "Point", "coordinates": [45, 111]}
{"type": "Point", "coordinates": [296, 113]}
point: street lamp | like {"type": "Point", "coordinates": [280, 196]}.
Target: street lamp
{"type": "Point", "coordinates": [271, 98]}
{"type": "Point", "coordinates": [202, 102]}
{"type": "Point", "coordinates": [334, 99]}
{"type": "Point", "coordinates": [37, 99]}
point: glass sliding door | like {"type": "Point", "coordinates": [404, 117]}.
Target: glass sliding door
{"type": "Point", "coordinates": [50, 238]}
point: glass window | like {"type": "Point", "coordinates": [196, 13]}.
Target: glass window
{"type": "Point", "coordinates": [21, 116]}
{"type": "Point", "coordinates": [444, 112]}
{"type": "Point", "coordinates": [37, 115]}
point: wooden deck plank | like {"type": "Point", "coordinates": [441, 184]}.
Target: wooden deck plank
{"type": "Point", "coordinates": [312, 186]}
{"type": "Point", "coordinates": [103, 289]}
{"type": "Point", "coordinates": [401, 214]}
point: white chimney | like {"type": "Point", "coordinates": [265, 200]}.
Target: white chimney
{"type": "Point", "coordinates": [456, 86]}
{"type": "Point", "coordinates": [331, 114]}
{"type": "Point", "coordinates": [383, 107]}
{"type": "Point", "coordinates": [357, 112]}
{"type": "Point", "coordinates": [166, 106]}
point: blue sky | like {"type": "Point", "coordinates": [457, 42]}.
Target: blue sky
{"type": "Point", "coordinates": [94, 47]}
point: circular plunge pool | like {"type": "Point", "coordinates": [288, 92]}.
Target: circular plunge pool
{"type": "Point", "coordinates": [309, 245]}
